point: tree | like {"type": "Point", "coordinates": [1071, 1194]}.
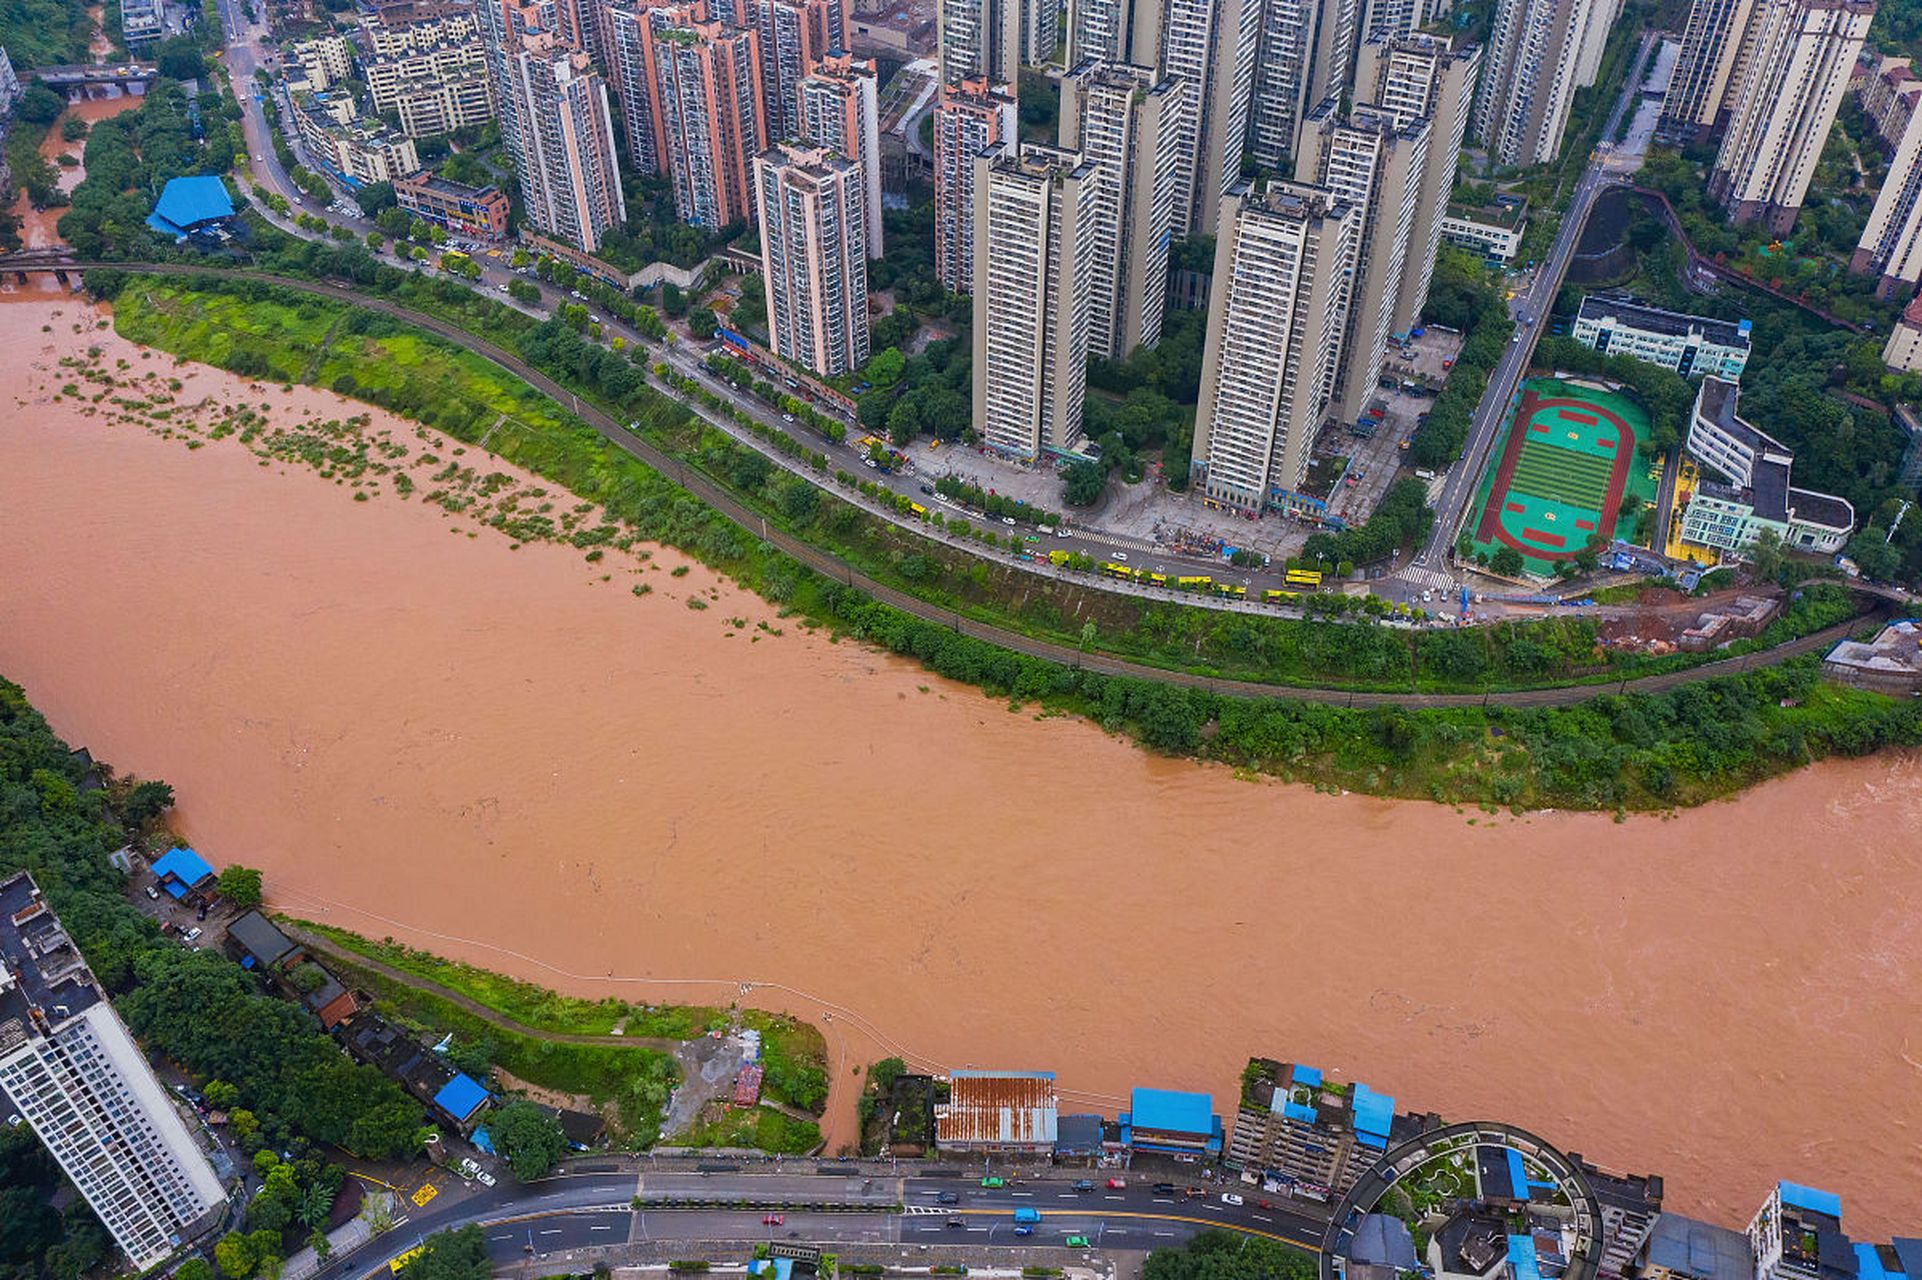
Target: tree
{"type": "Point", "coordinates": [904, 420]}
{"type": "Point", "coordinates": [194, 1269]}
{"type": "Point", "coordinates": [1507, 562]}
{"type": "Point", "coordinates": [179, 59]}
{"type": "Point", "coordinates": [240, 886]}
{"type": "Point", "coordinates": [1083, 483]}
{"type": "Point", "coordinates": [451, 1255]}
{"type": "Point", "coordinates": [528, 1138]}
{"type": "Point", "coordinates": [148, 800]}
{"type": "Point", "coordinates": [267, 1257]}
{"type": "Point", "coordinates": [235, 1256]}
{"type": "Point", "coordinates": [886, 367]}
{"type": "Point", "coordinates": [39, 105]}
{"type": "Point", "coordinates": [702, 323]}
{"type": "Point", "coordinates": [1765, 554]}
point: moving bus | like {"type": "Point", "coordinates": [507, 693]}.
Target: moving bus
{"type": "Point", "coordinates": [1159, 579]}
{"type": "Point", "coordinates": [400, 1263]}
{"type": "Point", "coordinates": [1238, 592]}
{"type": "Point", "coordinates": [1303, 578]}
{"type": "Point", "coordinates": [1114, 570]}
{"type": "Point", "coordinates": [1196, 583]}
{"type": "Point", "coordinates": [1280, 597]}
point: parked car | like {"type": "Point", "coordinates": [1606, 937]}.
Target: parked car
{"type": "Point", "coordinates": [1077, 1242]}
{"type": "Point", "coordinates": [1229, 1197]}
{"type": "Point", "coordinates": [485, 1178]}
{"type": "Point", "coordinates": [191, 936]}
{"type": "Point", "coordinates": [153, 893]}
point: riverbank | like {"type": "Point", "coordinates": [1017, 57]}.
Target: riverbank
{"type": "Point", "coordinates": [494, 755]}
{"type": "Point", "coordinates": [1662, 750]}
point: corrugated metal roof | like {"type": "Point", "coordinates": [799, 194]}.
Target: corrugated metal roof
{"type": "Point", "coordinates": [986, 1107]}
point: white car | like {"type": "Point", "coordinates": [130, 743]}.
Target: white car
{"type": "Point", "coordinates": [1229, 1197]}
{"type": "Point", "coordinates": [192, 935]}
{"type": "Point", "coordinates": [1121, 556]}
{"type": "Point", "coordinates": [485, 1178]}
{"type": "Point", "coordinates": [1008, 520]}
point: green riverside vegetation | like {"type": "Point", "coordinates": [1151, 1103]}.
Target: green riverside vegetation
{"type": "Point", "coordinates": [1613, 752]}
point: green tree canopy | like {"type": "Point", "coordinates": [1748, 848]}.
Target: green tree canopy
{"type": "Point", "coordinates": [528, 1138]}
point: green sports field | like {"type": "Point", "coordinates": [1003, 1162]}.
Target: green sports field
{"type": "Point", "coordinates": [1559, 471]}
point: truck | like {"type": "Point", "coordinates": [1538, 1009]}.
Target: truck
{"type": "Point", "coordinates": [1027, 1215]}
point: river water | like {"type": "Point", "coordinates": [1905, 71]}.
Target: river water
{"type": "Point", "coordinates": [494, 753]}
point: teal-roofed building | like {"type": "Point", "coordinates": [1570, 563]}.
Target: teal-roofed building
{"type": "Point", "coordinates": [1171, 1122]}
{"type": "Point", "coordinates": [192, 206]}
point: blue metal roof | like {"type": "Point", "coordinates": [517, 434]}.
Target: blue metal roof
{"type": "Point", "coordinates": [1374, 1116]}
{"type": "Point", "coordinates": [1868, 1264]}
{"type": "Point", "coordinates": [1296, 1111]}
{"type": "Point", "coordinates": [185, 202]}
{"type": "Point", "coordinates": [1801, 1197]}
{"type": "Point", "coordinates": [1172, 1111]}
{"type": "Point", "coordinates": [460, 1097]}
{"type": "Point", "coordinates": [1521, 1258]}
{"type": "Point", "coordinates": [1310, 1076]}
{"type": "Point", "coordinates": [183, 864]}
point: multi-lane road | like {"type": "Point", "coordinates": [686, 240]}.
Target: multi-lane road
{"type": "Point", "coordinates": [1530, 310]}
{"type": "Point", "coordinates": [587, 1210]}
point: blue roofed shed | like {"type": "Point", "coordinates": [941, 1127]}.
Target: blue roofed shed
{"type": "Point", "coordinates": [460, 1098]}
{"type": "Point", "coordinates": [180, 871]}
{"type": "Point", "coordinates": [1374, 1115]}
{"type": "Point", "coordinates": [1522, 1264]}
{"type": "Point", "coordinates": [771, 1268]}
{"type": "Point", "coordinates": [187, 205]}
{"type": "Point", "coordinates": [1171, 1120]}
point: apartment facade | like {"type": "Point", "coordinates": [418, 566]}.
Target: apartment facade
{"type": "Point", "coordinates": [792, 37]}
{"type": "Point", "coordinates": [839, 111]}
{"type": "Point", "coordinates": [1127, 122]}
{"type": "Point", "coordinates": [1319, 1134]}
{"type": "Point", "coordinates": [708, 99]}
{"type": "Point", "coordinates": [1799, 59]}
{"type": "Point", "coordinates": [1284, 258]}
{"type": "Point", "coordinates": [430, 70]}
{"type": "Point", "coordinates": [1034, 216]}
{"type": "Point", "coordinates": [355, 150]}
{"type": "Point", "coordinates": [1412, 78]}
{"type": "Point", "coordinates": [989, 38]}
{"type": "Point", "coordinates": [1215, 46]}
{"type": "Point", "coordinates": [1124, 31]}
{"type": "Point", "coordinates": [1369, 162]}
{"type": "Point", "coordinates": [75, 1075]}
{"type": "Point", "coordinates": [814, 257]}
{"type": "Point", "coordinates": [324, 61]}
{"type": "Point", "coordinates": [1537, 56]}
{"type": "Point", "coordinates": [1709, 70]}
{"type": "Point", "coordinates": [1307, 54]}
{"type": "Point", "coordinates": [1688, 345]}
{"type": "Point", "coordinates": [971, 117]}
{"type": "Point", "coordinates": [1385, 19]}
{"type": "Point", "coordinates": [1891, 245]}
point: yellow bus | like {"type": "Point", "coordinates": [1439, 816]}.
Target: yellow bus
{"type": "Point", "coordinates": [1195, 583]}
{"type": "Point", "coordinates": [400, 1263]}
{"type": "Point", "coordinates": [1059, 557]}
{"type": "Point", "coordinates": [1238, 592]}
{"type": "Point", "coordinates": [1114, 570]}
{"type": "Point", "coordinates": [1159, 579]}
{"type": "Point", "coordinates": [1303, 578]}
{"type": "Point", "coordinates": [1280, 597]}
{"type": "Point", "coordinates": [918, 509]}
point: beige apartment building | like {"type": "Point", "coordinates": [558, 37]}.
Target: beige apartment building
{"type": "Point", "coordinates": [814, 257]}
{"type": "Point", "coordinates": [1034, 216]}
{"type": "Point", "coordinates": [1127, 122]}
{"type": "Point", "coordinates": [1369, 162]}
{"type": "Point", "coordinates": [1284, 257]}
{"type": "Point", "coordinates": [1412, 78]}
{"type": "Point", "coordinates": [839, 111]}
{"type": "Point", "coordinates": [1797, 66]}
{"type": "Point", "coordinates": [1539, 53]}
{"type": "Point", "coordinates": [971, 117]}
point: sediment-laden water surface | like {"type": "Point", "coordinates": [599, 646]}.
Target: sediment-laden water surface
{"type": "Point", "coordinates": [497, 754]}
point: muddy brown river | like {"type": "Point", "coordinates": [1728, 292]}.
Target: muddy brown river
{"type": "Point", "coordinates": [493, 753]}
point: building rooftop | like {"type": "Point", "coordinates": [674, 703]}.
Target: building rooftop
{"type": "Point", "coordinates": [1081, 1135]}
{"type": "Point", "coordinates": [260, 939]}
{"type": "Point", "coordinates": [181, 866]}
{"type": "Point", "coordinates": [998, 1107]}
{"type": "Point", "coordinates": [1717, 401]}
{"type": "Point", "coordinates": [45, 981]}
{"type": "Point", "coordinates": [1637, 314]}
{"type": "Point", "coordinates": [1699, 1249]}
{"type": "Point", "coordinates": [427, 181]}
{"type": "Point", "coordinates": [1374, 1117]}
{"type": "Point", "coordinates": [1383, 1240]}
{"type": "Point", "coordinates": [1821, 508]}
{"type": "Point", "coordinates": [461, 1097]}
{"type": "Point", "coordinates": [1172, 1111]}
{"type": "Point", "coordinates": [1897, 651]}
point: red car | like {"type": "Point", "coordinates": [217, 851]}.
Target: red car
{"type": "Point", "coordinates": [773, 1220]}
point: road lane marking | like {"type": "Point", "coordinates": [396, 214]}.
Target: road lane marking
{"type": "Point", "coordinates": [1164, 1233]}
{"type": "Point", "coordinates": [1215, 1207]}
{"type": "Point", "coordinates": [1021, 1193]}
{"type": "Point", "coordinates": [500, 1237]}
{"type": "Point", "coordinates": [600, 1228]}
{"type": "Point", "coordinates": [1164, 1202]}
{"type": "Point", "coordinates": [551, 1231]}
{"type": "Point", "coordinates": [1258, 1218]}
{"type": "Point", "coordinates": [1114, 1197]}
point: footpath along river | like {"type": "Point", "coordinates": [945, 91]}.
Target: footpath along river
{"type": "Point", "coordinates": [493, 753]}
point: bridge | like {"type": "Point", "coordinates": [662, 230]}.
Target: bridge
{"type": "Point", "coordinates": [81, 83]}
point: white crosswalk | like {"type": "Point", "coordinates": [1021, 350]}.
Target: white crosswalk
{"type": "Point", "coordinates": [1433, 578]}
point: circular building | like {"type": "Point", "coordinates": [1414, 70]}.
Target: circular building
{"type": "Point", "coordinates": [1474, 1201]}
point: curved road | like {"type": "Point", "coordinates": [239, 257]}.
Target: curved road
{"type": "Point", "coordinates": [833, 567]}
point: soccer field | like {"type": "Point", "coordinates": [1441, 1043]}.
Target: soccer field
{"type": "Point", "coordinates": [1558, 477]}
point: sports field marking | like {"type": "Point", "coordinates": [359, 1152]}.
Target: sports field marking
{"type": "Point", "coordinates": [1588, 525]}
{"type": "Point", "coordinates": [1543, 481]}
{"type": "Point", "coordinates": [1586, 419]}
{"type": "Point", "coordinates": [1546, 539]}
